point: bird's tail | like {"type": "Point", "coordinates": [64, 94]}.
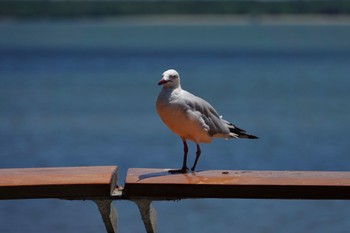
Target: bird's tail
{"type": "Point", "coordinates": [236, 132]}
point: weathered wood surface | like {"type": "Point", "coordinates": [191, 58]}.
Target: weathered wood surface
{"type": "Point", "coordinates": [159, 184]}
{"type": "Point", "coordinates": [58, 182]}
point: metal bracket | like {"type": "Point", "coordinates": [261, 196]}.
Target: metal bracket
{"type": "Point", "coordinates": [109, 214]}
{"type": "Point", "coordinates": [148, 214]}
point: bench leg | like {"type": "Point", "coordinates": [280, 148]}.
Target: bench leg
{"type": "Point", "coordinates": [148, 214]}
{"type": "Point", "coordinates": [109, 214]}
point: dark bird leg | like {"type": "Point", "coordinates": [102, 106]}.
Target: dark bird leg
{"type": "Point", "coordinates": [198, 153]}
{"type": "Point", "coordinates": [184, 165]}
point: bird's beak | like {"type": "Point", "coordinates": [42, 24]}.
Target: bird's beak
{"type": "Point", "coordinates": [162, 81]}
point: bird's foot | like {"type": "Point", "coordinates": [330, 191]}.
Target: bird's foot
{"type": "Point", "coordinates": [183, 170]}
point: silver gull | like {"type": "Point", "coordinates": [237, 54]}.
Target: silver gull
{"type": "Point", "coordinates": [191, 117]}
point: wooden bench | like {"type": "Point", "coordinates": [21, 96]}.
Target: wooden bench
{"type": "Point", "coordinates": [72, 183]}
{"type": "Point", "coordinates": [58, 182]}
{"type": "Point", "coordinates": [143, 185]}
{"type": "Point", "coordinates": [159, 184]}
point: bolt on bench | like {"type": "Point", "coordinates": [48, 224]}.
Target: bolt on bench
{"type": "Point", "coordinates": [143, 186]}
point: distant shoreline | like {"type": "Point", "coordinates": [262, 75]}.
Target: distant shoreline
{"type": "Point", "coordinates": [75, 9]}
{"type": "Point", "coordinates": [232, 19]}
{"type": "Point", "coordinates": [203, 19]}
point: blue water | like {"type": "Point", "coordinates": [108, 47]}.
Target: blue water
{"type": "Point", "coordinates": [78, 93]}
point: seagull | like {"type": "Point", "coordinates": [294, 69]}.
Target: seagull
{"type": "Point", "coordinates": [191, 117]}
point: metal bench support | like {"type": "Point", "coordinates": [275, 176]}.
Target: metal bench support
{"type": "Point", "coordinates": [109, 214]}
{"type": "Point", "coordinates": [148, 214]}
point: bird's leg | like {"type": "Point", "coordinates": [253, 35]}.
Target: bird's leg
{"type": "Point", "coordinates": [198, 153]}
{"type": "Point", "coordinates": [184, 164]}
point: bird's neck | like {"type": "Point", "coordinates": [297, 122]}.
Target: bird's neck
{"type": "Point", "coordinates": [170, 92]}
{"type": "Point", "coordinates": [171, 88]}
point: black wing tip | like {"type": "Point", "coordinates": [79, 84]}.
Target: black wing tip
{"type": "Point", "coordinates": [240, 133]}
{"type": "Point", "coordinates": [248, 136]}
{"type": "Point", "coordinates": [252, 137]}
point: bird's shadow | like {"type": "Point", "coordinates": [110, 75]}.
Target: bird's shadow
{"type": "Point", "coordinates": [164, 174]}
{"type": "Point", "coordinates": [154, 174]}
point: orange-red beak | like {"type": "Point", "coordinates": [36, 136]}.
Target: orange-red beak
{"type": "Point", "coordinates": [162, 81]}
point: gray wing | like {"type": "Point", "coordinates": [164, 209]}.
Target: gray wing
{"type": "Point", "coordinates": [214, 123]}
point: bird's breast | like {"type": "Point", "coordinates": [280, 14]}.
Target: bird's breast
{"type": "Point", "coordinates": [180, 120]}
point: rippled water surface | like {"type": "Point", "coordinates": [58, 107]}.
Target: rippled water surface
{"type": "Point", "coordinates": [79, 93]}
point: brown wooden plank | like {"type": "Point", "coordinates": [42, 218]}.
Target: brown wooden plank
{"type": "Point", "coordinates": [58, 182]}
{"type": "Point", "coordinates": [159, 184]}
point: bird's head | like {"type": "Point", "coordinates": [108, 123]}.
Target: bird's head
{"type": "Point", "coordinates": [170, 79]}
